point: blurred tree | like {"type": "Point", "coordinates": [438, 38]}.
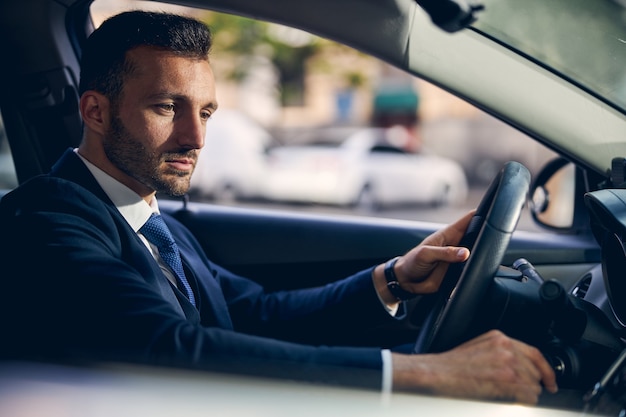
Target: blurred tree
{"type": "Point", "coordinates": [288, 49]}
{"type": "Point", "coordinates": [293, 52]}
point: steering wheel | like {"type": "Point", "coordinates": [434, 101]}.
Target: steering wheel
{"type": "Point", "coordinates": [465, 285]}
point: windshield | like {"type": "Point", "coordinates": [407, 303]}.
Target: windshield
{"type": "Point", "coordinates": [581, 40]}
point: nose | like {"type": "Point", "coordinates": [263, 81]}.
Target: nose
{"type": "Point", "coordinates": [191, 132]}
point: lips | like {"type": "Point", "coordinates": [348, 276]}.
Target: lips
{"type": "Point", "coordinates": [181, 163]}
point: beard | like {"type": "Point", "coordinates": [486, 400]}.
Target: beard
{"type": "Point", "coordinates": [129, 154]}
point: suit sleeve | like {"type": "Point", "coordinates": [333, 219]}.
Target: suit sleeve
{"type": "Point", "coordinates": [75, 289]}
{"type": "Point", "coordinates": [344, 312]}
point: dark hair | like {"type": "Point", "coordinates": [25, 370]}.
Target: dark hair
{"type": "Point", "coordinates": [104, 65]}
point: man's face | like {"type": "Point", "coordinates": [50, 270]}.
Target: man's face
{"type": "Point", "coordinates": [157, 126]}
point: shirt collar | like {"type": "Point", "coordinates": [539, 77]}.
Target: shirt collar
{"type": "Point", "coordinates": [131, 206]}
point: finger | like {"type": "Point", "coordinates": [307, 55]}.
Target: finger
{"type": "Point", "coordinates": [451, 234]}
{"type": "Point", "coordinates": [449, 254]}
{"type": "Point", "coordinates": [547, 375]}
{"type": "Point", "coordinates": [519, 377]}
{"type": "Point", "coordinates": [462, 223]}
{"type": "Point", "coordinates": [455, 231]}
{"type": "Point", "coordinates": [534, 366]}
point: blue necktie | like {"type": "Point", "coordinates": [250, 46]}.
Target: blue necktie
{"type": "Point", "coordinates": [158, 234]}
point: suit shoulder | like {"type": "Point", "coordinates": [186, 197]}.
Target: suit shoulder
{"type": "Point", "coordinates": [49, 193]}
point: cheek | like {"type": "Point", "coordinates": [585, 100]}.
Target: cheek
{"type": "Point", "coordinates": [152, 131]}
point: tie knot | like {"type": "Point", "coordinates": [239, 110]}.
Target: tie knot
{"type": "Point", "coordinates": [156, 231]}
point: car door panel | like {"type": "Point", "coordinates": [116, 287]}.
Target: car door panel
{"type": "Point", "coordinates": [285, 250]}
{"type": "Point", "coordinates": [288, 250]}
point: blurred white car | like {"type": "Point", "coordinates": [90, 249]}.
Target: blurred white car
{"type": "Point", "coordinates": [232, 163]}
{"type": "Point", "coordinates": [365, 170]}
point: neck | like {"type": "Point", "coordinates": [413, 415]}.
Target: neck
{"type": "Point", "coordinates": [98, 158]}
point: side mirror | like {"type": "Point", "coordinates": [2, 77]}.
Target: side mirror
{"type": "Point", "coordinates": [556, 199]}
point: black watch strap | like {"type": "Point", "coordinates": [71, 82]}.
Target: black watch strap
{"type": "Point", "coordinates": [392, 282]}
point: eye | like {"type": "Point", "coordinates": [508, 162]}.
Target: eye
{"type": "Point", "coordinates": [167, 107]}
{"type": "Point", "coordinates": [205, 115]}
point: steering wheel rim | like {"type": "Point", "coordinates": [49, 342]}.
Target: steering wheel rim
{"type": "Point", "coordinates": [465, 285]}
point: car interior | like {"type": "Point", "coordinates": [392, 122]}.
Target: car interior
{"type": "Point", "coordinates": [548, 288]}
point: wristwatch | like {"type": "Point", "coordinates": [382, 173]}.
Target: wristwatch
{"type": "Point", "coordinates": [392, 282]}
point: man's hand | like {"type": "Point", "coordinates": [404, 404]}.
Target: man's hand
{"type": "Point", "coordinates": [422, 269]}
{"type": "Point", "coordinates": [491, 366]}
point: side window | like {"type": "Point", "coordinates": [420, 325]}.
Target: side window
{"type": "Point", "coordinates": [8, 178]}
{"type": "Point", "coordinates": [394, 146]}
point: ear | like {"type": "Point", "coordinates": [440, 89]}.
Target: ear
{"type": "Point", "coordinates": [95, 111]}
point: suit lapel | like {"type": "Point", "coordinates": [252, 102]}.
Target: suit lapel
{"type": "Point", "coordinates": [70, 167]}
{"type": "Point", "coordinates": [210, 301]}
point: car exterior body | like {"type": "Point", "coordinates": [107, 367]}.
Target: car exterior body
{"type": "Point", "coordinates": [552, 70]}
{"type": "Point", "coordinates": [365, 170]}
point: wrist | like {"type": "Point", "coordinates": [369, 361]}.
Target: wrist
{"type": "Point", "coordinates": [412, 373]}
{"type": "Point", "coordinates": [380, 285]}
{"type": "Point", "coordinates": [393, 283]}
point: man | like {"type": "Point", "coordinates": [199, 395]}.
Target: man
{"type": "Point", "coordinates": [86, 278]}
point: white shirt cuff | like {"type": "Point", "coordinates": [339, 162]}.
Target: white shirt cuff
{"type": "Point", "coordinates": [387, 383]}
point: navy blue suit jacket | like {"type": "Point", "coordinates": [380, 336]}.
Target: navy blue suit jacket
{"type": "Point", "coordinates": [80, 284]}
